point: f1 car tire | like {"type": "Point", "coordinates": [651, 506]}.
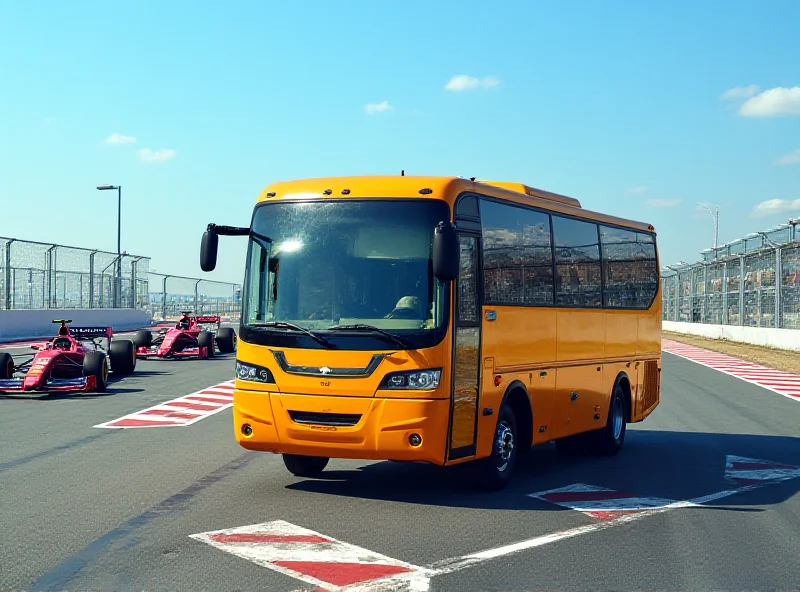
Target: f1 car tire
{"type": "Point", "coordinates": [96, 364]}
{"type": "Point", "coordinates": [143, 338]}
{"type": "Point", "coordinates": [6, 366]}
{"type": "Point", "coordinates": [123, 357]}
{"type": "Point", "coordinates": [226, 340]}
{"type": "Point", "coordinates": [206, 339]}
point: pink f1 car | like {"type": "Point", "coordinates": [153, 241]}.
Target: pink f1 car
{"type": "Point", "coordinates": [191, 337]}
{"type": "Point", "coordinates": [66, 363]}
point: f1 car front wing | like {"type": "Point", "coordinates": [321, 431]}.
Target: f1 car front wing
{"type": "Point", "coordinates": [52, 385]}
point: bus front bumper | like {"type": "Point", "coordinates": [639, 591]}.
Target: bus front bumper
{"type": "Point", "coordinates": [342, 427]}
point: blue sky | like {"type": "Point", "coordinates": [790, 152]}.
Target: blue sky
{"type": "Point", "coordinates": [597, 100]}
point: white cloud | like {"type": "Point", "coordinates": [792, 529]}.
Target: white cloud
{"type": "Point", "coordinates": [464, 82]}
{"type": "Point", "coordinates": [773, 103]}
{"type": "Point", "coordinates": [160, 155]}
{"type": "Point", "coordinates": [116, 138]}
{"type": "Point", "coordinates": [663, 203]}
{"type": "Point", "coordinates": [774, 207]}
{"type": "Point", "coordinates": [792, 158]}
{"type": "Point", "coordinates": [740, 92]}
{"type": "Point", "coordinates": [373, 108]}
{"type": "Point", "coordinates": [637, 190]}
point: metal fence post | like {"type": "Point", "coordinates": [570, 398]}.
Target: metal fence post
{"type": "Point", "coordinates": [164, 298]}
{"type": "Point", "coordinates": [9, 293]}
{"type": "Point", "coordinates": [706, 313]}
{"type": "Point", "coordinates": [91, 278]}
{"type": "Point", "coordinates": [778, 288]}
{"type": "Point", "coordinates": [742, 270]}
{"type": "Point", "coordinates": [196, 294]}
{"type": "Point", "coordinates": [725, 315]}
{"type": "Point", "coordinates": [49, 277]}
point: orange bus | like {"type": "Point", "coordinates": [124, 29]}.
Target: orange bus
{"type": "Point", "coordinates": [440, 319]}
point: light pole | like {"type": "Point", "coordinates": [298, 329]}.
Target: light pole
{"type": "Point", "coordinates": [119, 236]}
{"type": "Point", "coordinates": [715, 214]}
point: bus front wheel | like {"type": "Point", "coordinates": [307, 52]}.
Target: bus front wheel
{"type": "Point", "coordinates": [305, 466]}
{"type": "Point", "coordinates": [494, 472]}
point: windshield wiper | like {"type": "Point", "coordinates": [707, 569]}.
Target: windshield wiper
{"type": "Point", "coordinates": [371, 328]}
{"type": "Point", "coordinates": [284, 325]}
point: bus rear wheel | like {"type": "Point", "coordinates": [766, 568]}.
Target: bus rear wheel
{"type": "Point", "coordinates": [305, 466]}
{"type": "Point", "coordinates": [609, 440]}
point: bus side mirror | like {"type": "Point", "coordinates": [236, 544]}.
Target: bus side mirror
{"type": "Point", "coordinates": [446, 252]}
{"type": "Point", "coordinates": [208, 250]}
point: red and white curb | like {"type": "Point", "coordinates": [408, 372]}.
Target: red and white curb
{"type": "Point", "coordinates": [602, 503]}
{"type": "Point", "coordinates": [778, 381]}
{"type": "Point", "coordinates": [180, 412]}
{"type": "Point", "coordinates": [749, 471]}
{"type": "Point", "coordinates": [316, 559]}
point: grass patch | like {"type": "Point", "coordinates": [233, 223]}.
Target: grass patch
{"type": "Point", "coordinates": [786, 360]}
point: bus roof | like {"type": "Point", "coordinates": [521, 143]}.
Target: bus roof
{"type": "Point", "coordinates": [426, 187]}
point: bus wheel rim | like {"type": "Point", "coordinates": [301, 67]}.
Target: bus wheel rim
{"type": "Point", "coordinates": [504, 441]}
{"type": "Point", "coordinates": [617, 417]}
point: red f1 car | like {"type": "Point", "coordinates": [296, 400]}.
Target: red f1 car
{"type": "Point", "coordinates": [67, 363]}
{"type": "Point", "coordinates": [191, 337]}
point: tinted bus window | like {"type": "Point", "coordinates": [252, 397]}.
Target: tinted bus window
{"type": "Point", "coordinates": [577, 249]}
{"type": "Point", "coordinates": [517, 255]}
{"type": "Point", "coordinates": [630, 268]}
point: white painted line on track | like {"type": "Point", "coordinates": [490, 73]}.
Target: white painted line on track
{"type": "Point", "coordinates": [777, 381]}
{"type": "Point", "coordinates": [180, 412]}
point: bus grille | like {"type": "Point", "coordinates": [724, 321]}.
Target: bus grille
{"type": "Point", "coordinates": [650, 387]}
{"type": "Point", "coordinates": [328, 419]}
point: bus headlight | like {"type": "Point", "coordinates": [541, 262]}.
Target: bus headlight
{"type": "Point", "coordinates": [253, 373]}
{"type": "Point", "coordinates": [421, 380]}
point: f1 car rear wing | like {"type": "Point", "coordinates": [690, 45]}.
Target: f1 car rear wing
{"type": "Point", "coordinates": [208, 319]}
{"type": "Point", "coordinates": [90, 332]}
{"type": "Point", "coordinates": [83, 332]}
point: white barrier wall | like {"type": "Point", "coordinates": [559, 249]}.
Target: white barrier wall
{"type": "Point", "coordinates": [788, 339]}
{"type": "Point", "coordinates": [33, 324]}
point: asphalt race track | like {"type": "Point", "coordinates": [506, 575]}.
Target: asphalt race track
{"type": "Point", "coordinates": [93, 508]}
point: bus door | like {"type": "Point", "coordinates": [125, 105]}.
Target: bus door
{"type": "Point", "coordinates": [466, 352]}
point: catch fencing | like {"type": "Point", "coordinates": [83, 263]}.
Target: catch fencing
{"type": "Point", "coordinates": [170, 295]}
{"type": "Point", "coordinates": [750, 282]}
{"type": "Point", "coordinates": [35, 275]}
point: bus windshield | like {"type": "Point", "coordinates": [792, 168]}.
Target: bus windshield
{"type": "Point", "coordinates": [358, 273]}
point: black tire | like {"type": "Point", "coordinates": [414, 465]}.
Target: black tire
{"type": "Point", "coordinates": [609, 440]}
{"type": "Point", "coordinates": [226, 340]}
{"type": "Point", "coordinates": [96, 364]}
{"type": "Point", "coordinates": [206, 339]}
{"type": "Point", "coordinates": [305, 466]}
{"type": "Point", "coordinates": [494, 472]}
{"type": "Point", "coordinates": [143, 338]}
{"type": "Point", "coordinates": [122, 355]}
{"type": "Point", "coordinates": [6, 365]}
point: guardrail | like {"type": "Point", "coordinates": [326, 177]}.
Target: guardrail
{"type": "Point", "coordinates": [751, 282]}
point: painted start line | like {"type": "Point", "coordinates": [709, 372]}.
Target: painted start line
{"type": "Point", "coordinates": [332, 565]}
{"type": "Point", "coordinates": [783, 383]}
{"type": "Point", "coordinates": [180, 412]}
